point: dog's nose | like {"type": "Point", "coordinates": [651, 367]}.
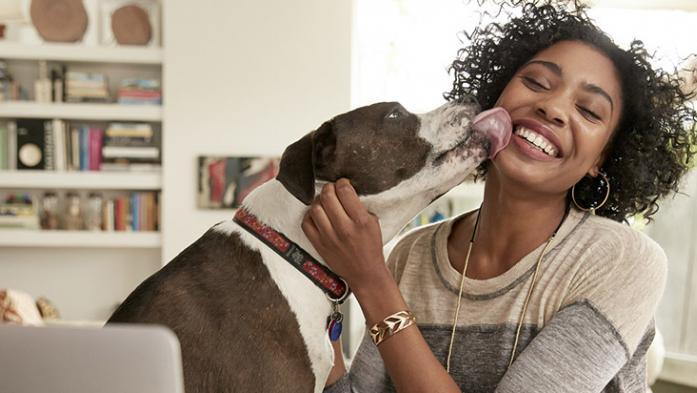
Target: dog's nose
{"type": "Point", "coordinates": [467, 99]}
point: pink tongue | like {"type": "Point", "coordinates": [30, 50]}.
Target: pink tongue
{"type": "Point", "coordinates": [495, 123]}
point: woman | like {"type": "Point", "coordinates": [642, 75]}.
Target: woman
{"type": "Point", "coordinates": [553, 298]}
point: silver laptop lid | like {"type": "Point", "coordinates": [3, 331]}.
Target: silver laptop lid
{"type": "Point", "coordinates": [113, 359]}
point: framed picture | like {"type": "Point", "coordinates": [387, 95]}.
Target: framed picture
{"type": "Point", "coordinates": [130, 22]}
{"type": "Point", "coordinates": [224, 182]}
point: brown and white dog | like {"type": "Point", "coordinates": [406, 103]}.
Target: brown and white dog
{"type": "Point", "coordinates": [247, 320]}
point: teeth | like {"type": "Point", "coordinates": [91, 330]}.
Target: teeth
{"type": "Point", "coordinates": [537, 140]}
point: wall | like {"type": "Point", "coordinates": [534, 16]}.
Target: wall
{"type": "Point", "coordinates": [244, 78]}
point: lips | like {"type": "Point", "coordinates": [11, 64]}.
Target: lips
{"type": "Point", "coordinates": [496, 125]}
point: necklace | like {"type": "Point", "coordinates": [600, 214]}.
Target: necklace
{"type": "Point", "coordinates": [527, 297]}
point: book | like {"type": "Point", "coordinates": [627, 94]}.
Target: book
{"type": "Point", "coordinates": [4, 142]}
{"type": "Point", "coordinates": [95, 151]}
{"type": "Point", "coordinates": [30, 144]}
{"type": "Point", "coordinates": [49, 157]}
{"type": "Point", "coordinates": [130, 152]}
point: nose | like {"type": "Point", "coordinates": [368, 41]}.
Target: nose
{"type": "Point", "coordinates": [467, 99]}
{"type": "Point", "coordinates": [553, 109]}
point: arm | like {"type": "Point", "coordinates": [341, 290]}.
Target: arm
{"type": "Point", "coordinates": [348, 238]}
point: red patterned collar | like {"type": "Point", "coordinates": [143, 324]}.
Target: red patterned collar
{"type": "Point", "coordinates": [334, 286]}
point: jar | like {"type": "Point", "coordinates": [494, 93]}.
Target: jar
{"type": "Point", "coordinates": [72, 218]}
{"type": "Point", "coordinates": [93, 212]}
{"type": "Point", "coordinates": [49, 211]}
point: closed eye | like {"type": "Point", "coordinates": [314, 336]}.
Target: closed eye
{"type": "Point", "coordinates": [533, 84]}
{"type": "Point", "coordinates": [589, 113]}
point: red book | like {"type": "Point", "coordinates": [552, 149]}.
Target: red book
{"type": "Point", "coordinates": [118, 216]}
{"type": "Point", "coordinates": [95, 149]}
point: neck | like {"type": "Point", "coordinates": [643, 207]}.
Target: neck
{"type": "Point", "coordinates": [274, 206]}
{"type": "Point", "coordinates": [512, 224]}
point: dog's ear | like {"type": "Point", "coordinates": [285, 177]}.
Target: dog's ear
{"type": "Point", "coordinates": [297, 167]}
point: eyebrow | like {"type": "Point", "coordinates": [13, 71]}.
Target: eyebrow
{"type": "Point", "coordinates": [589, 87]}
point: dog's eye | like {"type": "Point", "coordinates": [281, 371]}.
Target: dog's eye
{"type": "Point", "coordinates": [395, 114]}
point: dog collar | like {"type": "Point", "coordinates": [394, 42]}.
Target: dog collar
{"type": "Point", "coordinates": [333, 286]}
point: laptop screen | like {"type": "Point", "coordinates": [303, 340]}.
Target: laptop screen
{"type": "Point", "coordinates": [113, 359]}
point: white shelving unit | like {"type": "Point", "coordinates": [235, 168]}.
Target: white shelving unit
{"type": "Point", "coordinates": [79, 239]}
{"type": "Point", "coordinates": [81, 53]}
{"type": "Point", "coordinates": [106, 112]}
{"type": "Point", "coordinates": [97, 58]}
{"type": "Point", "coordinates": [81, 180]}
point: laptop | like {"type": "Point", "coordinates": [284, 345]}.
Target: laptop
{"type": "Point", "coordinates": [112, 359]}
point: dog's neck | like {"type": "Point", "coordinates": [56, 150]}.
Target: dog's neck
{"type": "Point", "coordinates": [279, 209]}
{"type": "Point", "coordinates": [276, 207]}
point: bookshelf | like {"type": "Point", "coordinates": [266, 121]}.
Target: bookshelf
{"type": "Point", "coordinates": [116, 63]}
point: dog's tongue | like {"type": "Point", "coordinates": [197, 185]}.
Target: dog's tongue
{"type": "Point", "coordinates": [495, 123]}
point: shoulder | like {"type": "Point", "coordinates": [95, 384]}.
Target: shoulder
{"type": "Point", "coordinates": [611, 246]}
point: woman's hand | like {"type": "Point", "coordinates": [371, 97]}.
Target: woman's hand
{"type": "Point", "coordinates": [346, 235]}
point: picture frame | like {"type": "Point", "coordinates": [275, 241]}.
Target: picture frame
{"type": "Point", "coordinates": [224, 182]}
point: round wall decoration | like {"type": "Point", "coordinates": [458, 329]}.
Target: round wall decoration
{"type": "Point", "coordinates": [131, 25]}
{"type": "Point", "coordinates": [59, 20]}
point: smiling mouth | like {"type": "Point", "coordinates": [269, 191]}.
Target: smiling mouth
{"type": "Point", "coordinates": [537, 141]}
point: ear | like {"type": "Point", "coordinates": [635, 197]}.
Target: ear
{"type": "Point", "coordinates": [595, 169]}
{"type": "Point", "coordinates": [297, 168]}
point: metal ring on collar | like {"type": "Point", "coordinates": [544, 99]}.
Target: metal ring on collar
{"type": "Point", "coordinates": [343, 297]}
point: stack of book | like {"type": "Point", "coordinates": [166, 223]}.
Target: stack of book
{"type": "Point", "coordinates": [18, 212]}
{"type": "Point", "coordinates": [136, 212]}
{"type": "Point", "coordinates": [130, 146]}
{"type": "Point", "coordinates": [140, 92]}
{"type": "Point", "coordinates": [86, 87]}
{"type": "Point", "coordinates": [40, 144]}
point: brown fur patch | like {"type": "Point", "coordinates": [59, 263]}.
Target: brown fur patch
{"type": "Point", "coordinates": [237, 331]}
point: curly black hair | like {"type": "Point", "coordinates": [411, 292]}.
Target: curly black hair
{"type": "Point", "coordinates": [654, 143]}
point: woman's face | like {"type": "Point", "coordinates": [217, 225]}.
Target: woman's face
{"type": "Point", "coordinates": [565, 103]}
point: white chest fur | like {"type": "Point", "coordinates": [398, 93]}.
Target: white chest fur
{"type": "Point", "coordinates": [309, 303]}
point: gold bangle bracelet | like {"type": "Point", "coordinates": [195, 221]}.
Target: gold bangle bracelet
{"type": "Point", "coordinates": [391, 325]}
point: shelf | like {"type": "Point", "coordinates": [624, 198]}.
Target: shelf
{"type": "Point", "coordinates": [36, 238]}
{"type": "Point", "coordinates": [108, 112]}
{"type": "Point", "coordinates": [81, 180]}
{"type": "Point", "coordinates": [81, 53]}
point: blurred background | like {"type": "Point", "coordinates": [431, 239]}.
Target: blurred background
{"type": "Point", "coordinates": [128, 128]}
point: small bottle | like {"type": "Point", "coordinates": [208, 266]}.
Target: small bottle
{"type": "Point", "coordinates": [93, 212]}
{"type": "Point", "coordinates": [49, 211]}
{"type": "Point", "coordinates": [72, 219]}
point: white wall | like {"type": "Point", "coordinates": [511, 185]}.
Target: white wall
{"type": "Point", "coordinates": [244, 77]}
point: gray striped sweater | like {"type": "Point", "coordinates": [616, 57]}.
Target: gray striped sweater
{"type": "Point", "coordinates": [587, 328]}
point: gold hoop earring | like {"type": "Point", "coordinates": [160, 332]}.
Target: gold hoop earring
{"type": "Point", "coordinates": [593, 207]}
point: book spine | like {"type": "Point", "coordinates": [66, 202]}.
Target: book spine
{"type": "Point", "coordinates": [4, 140]}
{"type": "Point", "coordinates": [12, 145]}
{"type": "Point", "coordinates": [95, 149]}
{"type": "Point", "coordinates": [84, 148]}
{"type": "Point", "coordinates": [49, 147]}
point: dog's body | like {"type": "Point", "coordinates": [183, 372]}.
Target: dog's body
{"type": "Point", "coordinates": [247, 320]}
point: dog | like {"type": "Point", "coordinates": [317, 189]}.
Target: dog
{"type": "Point", "coordinates": [250, 319]}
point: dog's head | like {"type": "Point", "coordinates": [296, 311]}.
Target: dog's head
{"type": "Point", "coordinates": [383, 147]}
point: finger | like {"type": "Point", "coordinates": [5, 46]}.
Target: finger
{"type": "Point", "coordinates": [322, 222]}
{"type": "Point", "coordinates": [310, 229]}
{"type": "Point", "coordinates": [332, 207]}
{"type": "Point", "coordinates": [349, 200]}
